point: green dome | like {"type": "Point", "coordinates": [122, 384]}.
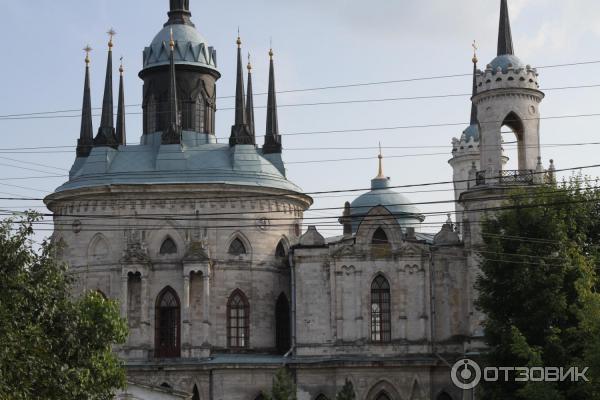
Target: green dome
{"type": "Point", "coordinates": [382, 195]}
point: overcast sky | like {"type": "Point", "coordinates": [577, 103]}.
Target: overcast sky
{"type": "Point", "coordinates": [317, 43]}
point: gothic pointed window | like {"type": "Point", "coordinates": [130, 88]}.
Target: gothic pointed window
{"type": "Point", "coordinates": [167, 325]}
{"type": "Point", "coordinates": [168, 247]}
{"type": "Point", "coordinates": [280, 249]}
{"type": "Point", "coordinates": [238, 320]}
{"type": "Point", "coordinates": [282, 324]}
{"type": "Point", "coordinates": [380, 243]}
{"type": "Point", "coordinates": [381, 329]}
{"type": "Point", "coordinates": [382, 396]}
{"type": "Point", "coordinates": [237, 248]}
{"type": "Point", "coordinates": [196, 393]}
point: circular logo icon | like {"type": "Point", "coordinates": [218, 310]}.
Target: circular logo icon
{"type": "Point", "coordinates": [466, 374]}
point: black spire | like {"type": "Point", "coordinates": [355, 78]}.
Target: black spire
{"type": "Point", "coordinates": [474, 119]}
{"type": "Point", "coordinates": [121, 136]}
{"type": "Point", "coordinates": [250, 101]}
{"type": "Point", "coordinates": [106, 133]}
{"type": "Point", "coordinates": [272, 136]}
{"type": "Point", "coordinates": [240, 132]}
{"type": "Point", "coordinates": [173, 133]}
{"type": "Point", "coordinates": [179, 13]}
{"type": "Point", "coordinates": [86, 135]}
{"type": "Point", "coordinates": [505, 42]}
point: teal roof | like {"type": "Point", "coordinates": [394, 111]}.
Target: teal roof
{"type": "Point", "coordinates": [471, 133]}
{"type": "Point", "coordinates": [506, 61]}
{"type": "Point", "coordinates": [198, 160]}
{"type": "Point", "coordinates": [190, 48]}
{"type": "Point", "coordinates": [382, 195]}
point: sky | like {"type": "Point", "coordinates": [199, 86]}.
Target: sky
{"type": "Point", "coordinates": [316, 44]}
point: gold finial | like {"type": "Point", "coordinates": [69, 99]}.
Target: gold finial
{"type": "Point", "coordinates": [239, 39]}
{"type": "Point", "coordinates": [87, 50]}
{"type": "Point", "coordinates": [271, 48]}
{"type": "Point", "coordinates": [121, 68]}
{"type": "Point", "coordinates": [380, 174]}
{"type": "Point", "coordinates": [172, 40]}
{"type": "Point", "coordinates": [249, 63]}
{"type": "Point", "coordinates": [111, 34]}
{"type": "Point", "coordinates": [475, 48]}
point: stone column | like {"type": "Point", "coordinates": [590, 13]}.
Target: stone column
{"type": "Point", "coordinates": [186, 314]}
{"type": "Point", "coordinates": [206, 306]}
{"type": "Point", "coordinates": [145, 311]}
{"type": "Point", "coordinates": [124, 294]}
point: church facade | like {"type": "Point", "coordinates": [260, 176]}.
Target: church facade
{"type": "Point", "coordinates": [202, 242]}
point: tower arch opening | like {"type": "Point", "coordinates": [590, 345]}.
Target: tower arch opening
{"type": "Point", "coordinates": [513, 133]}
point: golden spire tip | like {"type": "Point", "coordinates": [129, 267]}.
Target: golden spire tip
{"type": "Point", "coordinates": [121, 68]}
{"type": "Point", "coordinates": [111, 34]}
{"type": "Point", "coordinates": [475, 48]}
{"type": "Point", "coordinates": [380, 174]}
{"type": "Point", "coordinates": [172, 40]}
{"type": "Point", "coordinates": [249, 63]}
{"type": "Point", "coordinates": [239, 38]}
{"type": "Point", "coordinates": [87, 50]}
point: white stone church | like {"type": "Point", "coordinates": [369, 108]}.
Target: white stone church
{"type": "Point", "coordinates": [202, 242]}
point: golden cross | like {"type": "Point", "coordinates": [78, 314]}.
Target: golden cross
{"type": "Point", "coordinates": [475, 48]}
{"type": "Point", "coordinates": [87, 50]}
{"type": "Point", "coordinates": [111, 34]}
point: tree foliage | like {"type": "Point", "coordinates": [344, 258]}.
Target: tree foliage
{"type": "Point", "coordinates": [538, 289]}
{"type": "Point", "coordinates": [52, 346]}
{"type": "Point", "coordinates": [347, 392]}
{"type": "Point", "coordinates": [283, 386]}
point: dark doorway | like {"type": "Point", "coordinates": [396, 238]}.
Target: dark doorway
{"type": "Point", "coordinates": [282, 324]}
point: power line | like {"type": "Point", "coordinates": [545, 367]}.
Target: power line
{"type": "Point", "coordinates": [340, 86]}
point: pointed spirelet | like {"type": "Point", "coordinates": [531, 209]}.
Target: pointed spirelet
{"type": "Point", "coordinates": [474, 117]}
{"type": "Point", "coordinates": [106, 133]}
{"type": "Point", "coordinates": [272, 137]}
{"type": "Point", "coordinates": [86, 134]}
{"type": "Point", "coordinates": [240, 132]}
{"type": "Point", "coordinates": [380, 174]}
{"type": "Point", "coordinates": [121, 132]}
{"type": "Point", "coordinates": [173, 133]}
{"type": "Point", "coordinates": [505, 42]}
{"type": "Point", "coordinates": [250, 101]}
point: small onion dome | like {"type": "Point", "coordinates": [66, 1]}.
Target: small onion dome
{"type": "Point", "coordinates": [505, 61]}
{"type": "Point", "coordinates": [382, 195]}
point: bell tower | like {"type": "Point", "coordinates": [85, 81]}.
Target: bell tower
{"type": "Point", "coordinates": [508, 96]}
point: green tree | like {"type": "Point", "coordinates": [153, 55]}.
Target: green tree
{"type": "Point", "coordinates": [283, 386]}
{"type": "Point", "coordinates": [52, 346]}
{"type": "Point", "coordinates": [347, 392]}
{"type": "Point", "coordinates": [538, 288]}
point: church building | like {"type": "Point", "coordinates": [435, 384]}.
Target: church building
{"type": "Point", "coordinates": [202, 243]}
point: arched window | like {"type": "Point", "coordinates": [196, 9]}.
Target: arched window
{"type": "Point", "coordinates": [237, 248]}
{"type": "Point", "coordinates": [381, 330]}
{"type": "Point", "coordinates": [282, 324]}
{"type": "Point", "coordinates": [444, 396]}
{"type": "Point", "coordinates": [516, 154]}
{"type": "Point", "coordinates": [167, 325]}
{"type": "Point", "coordinates": [383, 396]}
{"type": "Point", "coordinates": [195, 393]}
{"type": "Point", "coordinates": [380, 243]}
{"type": "Point", "coordinates": [321, 397]}
{"type": "Point", "coordinates": [168, 247]}
{"type": "Point", "coordinates": [280, 249]}
{"type": "Point", "coordinates": [238, 320]}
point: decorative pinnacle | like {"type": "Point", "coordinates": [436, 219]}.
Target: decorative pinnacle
{"type": "Point", "coordinates": [249, 66]}
{"type": "Point", "coordinates": [271, 48]}
{"type": "Point", "coordinates": [239, 39]}
{"type": "Point", "coordinates": [172, 40]}
{"type": "Point", "coordinates": [380, 174]}
{"type": "Point", "coordinates": [87, 50]}
{"type": "Point", "coordinates": [121, 68]}
{"type": "Point", "coordinates": [475, 48]}
{"type": "Point", "coordinates": [111, 34]}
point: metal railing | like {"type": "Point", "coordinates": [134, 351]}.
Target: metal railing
{"type": "Point", "coordinates": [508, 177]}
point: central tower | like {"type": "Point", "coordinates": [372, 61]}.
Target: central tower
{"type": "Point", "coordinates": [196, 72]}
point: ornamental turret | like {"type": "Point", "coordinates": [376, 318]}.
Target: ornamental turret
{"type": "Point", "coordinates": [508, 95]}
